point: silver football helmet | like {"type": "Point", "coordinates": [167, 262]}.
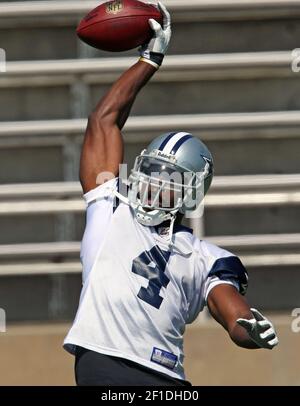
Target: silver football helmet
{"type": "Point", "coordinates": [171, 175]}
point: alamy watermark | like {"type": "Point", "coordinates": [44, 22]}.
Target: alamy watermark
{"type": "Point", "coordinates": [295, 326]}
{"type": "Point", "coordinates": [295, 63]}
{"type": "Point", "coordinates": [2, 321]}
{"type": "Point", "coordinates": [2, 60]}
{"type": "Point", "coordinates": [162, 189]}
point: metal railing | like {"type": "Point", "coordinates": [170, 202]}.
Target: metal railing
{"type": "Point", "coordinates": [181, 10]}
{"type": "Point", "coordinates": [45, 254]}
{"type": "Point", "coordinates": [69, 249]}
{"type": "Point", "coordinates": [226, 192]}
{"type": "Point", "coordinates": [227, 126]}
{"type": "Point", "coordinates": [241, 200]}
{"type": "Point", "coordinates": [237, 183]}
{"type": "Point", "coordinates": [175, 68]}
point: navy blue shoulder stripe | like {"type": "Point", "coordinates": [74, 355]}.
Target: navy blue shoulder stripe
{"type": "Point", "coordinates": [180, 142]}
{"type": "Point", "coordinates": [122, 188]}
{"type": "Point", "coordinates": [231, 267]}
{"type": "Point", "coordinates": [166, 140]}
{"type": "Point", "coordinates": [117, 200]}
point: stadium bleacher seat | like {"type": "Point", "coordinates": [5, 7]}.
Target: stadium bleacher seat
{"type": "Point", "coordinates": [229, 87]}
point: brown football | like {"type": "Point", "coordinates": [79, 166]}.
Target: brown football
{"type": "Point", "coordinates": [118, 25]}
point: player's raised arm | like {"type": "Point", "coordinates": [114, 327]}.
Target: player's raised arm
{"type": "Point", "coordinates": [247, 327]}
{"type": "Point", "coordinates": [102, 150]}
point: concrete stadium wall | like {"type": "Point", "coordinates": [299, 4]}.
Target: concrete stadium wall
{"type": "Point", "coordinates": [33, 355]}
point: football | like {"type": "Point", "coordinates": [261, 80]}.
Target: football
{"type": "Point", "coordinates": [118, 25]}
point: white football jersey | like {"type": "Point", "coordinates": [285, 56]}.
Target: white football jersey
{"type": "Point", "coordinates": [137, 295]}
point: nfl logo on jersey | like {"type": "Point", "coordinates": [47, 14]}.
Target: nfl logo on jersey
{"type": "Point", "coordinates": [164, 358]}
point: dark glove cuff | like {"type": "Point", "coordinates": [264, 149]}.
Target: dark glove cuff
{"type": "Point", "coordinates": [154, 58]}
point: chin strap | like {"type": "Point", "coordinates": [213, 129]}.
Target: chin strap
{"type": "Point", "coordinates": [172, 245]}
{"type": "Point", "coordinates": [171, 234]}
{"type": "Point", "coordinates": [120, 196]}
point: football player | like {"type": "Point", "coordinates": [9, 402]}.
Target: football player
{"type": "Point", "coordinates": [145, 276]}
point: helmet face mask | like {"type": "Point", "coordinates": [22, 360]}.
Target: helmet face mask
{"type": "Point", "coordinates": [162, 184]}
{"type": "Point", "coordinates": [157, 184]}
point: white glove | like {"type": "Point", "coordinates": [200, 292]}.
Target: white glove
{"type": "Point", "coordinates": [260, 330]}
{"type": "Point", "coordinates": [154, 51]}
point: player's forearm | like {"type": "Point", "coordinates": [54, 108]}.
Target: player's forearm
{"type": "Point", "coordinates": [115, 106]}
{"type": "Point", "coordinates": [241, 338]}
{"type": "Point", "coordinates": [227, 305]}
{"type": "Point", "coordinates": [236, 332]}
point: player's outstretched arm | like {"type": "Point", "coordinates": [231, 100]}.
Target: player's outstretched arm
{"type": "Point", "coordinates": [246, 326]}
{"type": "Point", "coordinates": [102, 150]}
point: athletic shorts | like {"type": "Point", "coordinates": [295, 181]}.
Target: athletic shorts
{"type": "Point", "coordinates": [95, 369]}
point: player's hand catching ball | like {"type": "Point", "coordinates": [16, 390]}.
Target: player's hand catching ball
{"type": "Point", "coordinates": [260, 330]}
{"type": "Point", "coordinates": [155, 50]}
